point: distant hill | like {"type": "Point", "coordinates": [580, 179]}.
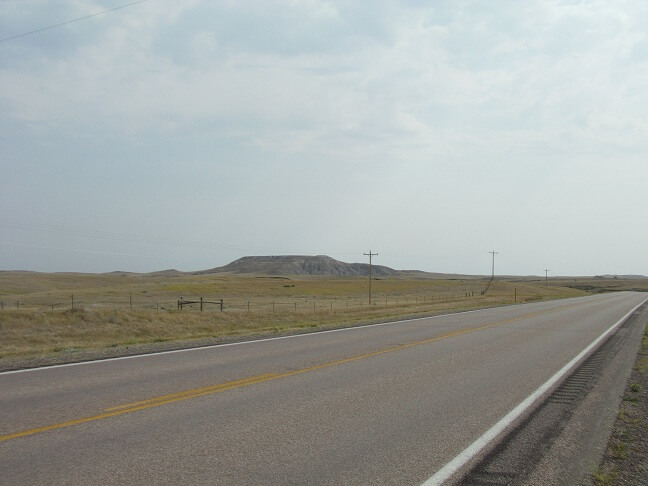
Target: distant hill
{"type": "Point", "coordinates": [300, 265]}
{"type": "Point", "coordinates": [167, 273]}
{"type": "Point", "coordinates": [626, 277]}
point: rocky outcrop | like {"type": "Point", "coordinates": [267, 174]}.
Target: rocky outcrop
{"type": "Point", "coordinates": [300, 265]}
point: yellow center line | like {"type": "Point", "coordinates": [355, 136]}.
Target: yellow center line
{"type": "Point", "coordinates": [208, 390]}
{"type": "Point", "coordinates": [195, 391]}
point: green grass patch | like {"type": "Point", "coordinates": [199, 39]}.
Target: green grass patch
{"type": "Point", "coordinates": [605, 477]}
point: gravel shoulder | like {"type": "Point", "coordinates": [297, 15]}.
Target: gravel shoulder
{"type": "Point", "coordinates": [563, 439]}
{"type": "Point", "coordinates": [625, 461]}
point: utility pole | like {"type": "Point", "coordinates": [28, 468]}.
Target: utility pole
{"type": "Point", "coordinates": [493, 253]}
{"type": "Point", "coordinates": [370, 255]}
{"type": "Point", "coordinates": [546, 276]}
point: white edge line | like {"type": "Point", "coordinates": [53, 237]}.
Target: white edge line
{"type": "Point", "coordinates": [238, 343]}
{"type": "Point", "coordinates": [468, 454]}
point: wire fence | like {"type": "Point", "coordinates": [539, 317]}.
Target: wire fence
{"type": "Point", "coordinates": [225, 304]}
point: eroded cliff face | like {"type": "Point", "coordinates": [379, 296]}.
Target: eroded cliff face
{"type": "Point", "coordinates": [300, 265]}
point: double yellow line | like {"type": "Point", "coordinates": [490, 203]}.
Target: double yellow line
{"type": "Point", "coordinates": [208, 390]}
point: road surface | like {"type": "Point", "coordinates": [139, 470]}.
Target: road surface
{"type": "Point", "coordinates": [382, 404]}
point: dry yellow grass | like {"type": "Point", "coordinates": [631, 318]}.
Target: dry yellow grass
{"type": "Point", "coordinates": [44, 322]}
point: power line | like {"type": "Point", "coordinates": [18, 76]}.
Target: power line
{"type": "Point", "coordinates": [80, 232]}
{"type": "Point", "coordinates": [70, 21]}
{"type": "Point", "coordinates": [80, 250]}
{"type": "Point", "coordinates": [142, 239]}
{"type": "Point", "coordinates": [370, 254]}
{"type": "Point", "coordinates": [83, 232]}
{"type": "Point", "coordinates": [493, 253]}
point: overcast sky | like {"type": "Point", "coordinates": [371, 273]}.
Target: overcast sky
{"type": "Point", "coordinates": [188, 134]}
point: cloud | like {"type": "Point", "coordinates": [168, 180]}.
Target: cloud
{"type": "Point", "coordinates": [406, 107]}
{"type": "Point", "coordinates": [529, 78]}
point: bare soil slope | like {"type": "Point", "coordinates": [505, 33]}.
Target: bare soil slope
{"type": "Point", "coordinates": [300, 265]}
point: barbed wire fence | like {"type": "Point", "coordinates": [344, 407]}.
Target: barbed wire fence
{"type": "Point", "coordinates": [130, 302]}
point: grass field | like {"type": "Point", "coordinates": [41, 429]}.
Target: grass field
{"type": "Point", "coordinates": [55, 313]}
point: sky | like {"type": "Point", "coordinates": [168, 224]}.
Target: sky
{"type": "Point", "coordinates": [188, 134]}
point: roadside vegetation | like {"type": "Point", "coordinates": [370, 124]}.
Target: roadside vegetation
{"type": "Point", "coordinates": [626, 458]}
{"type": "Point", "coordinates": [46, 314]}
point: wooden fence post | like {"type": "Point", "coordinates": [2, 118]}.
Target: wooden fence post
{"type": "Point", "coordinates": [201, 304]}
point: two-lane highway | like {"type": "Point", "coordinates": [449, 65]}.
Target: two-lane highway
{"type": "Point", "coordinates": [383, 404]}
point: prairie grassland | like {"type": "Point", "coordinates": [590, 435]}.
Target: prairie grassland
{"type": "Point", "coordinates": [38, 316]}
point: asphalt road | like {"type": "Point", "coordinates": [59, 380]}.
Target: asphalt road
{"type": "Point", "coordinates": [382, 404]}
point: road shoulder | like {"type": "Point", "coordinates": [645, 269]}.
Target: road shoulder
{"type": "Point", "coordinates": [625, 460]}
{"type": "Point", "coordinates": [576, 452]}
{"type": "Point", "coordinates": [563, 439]}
